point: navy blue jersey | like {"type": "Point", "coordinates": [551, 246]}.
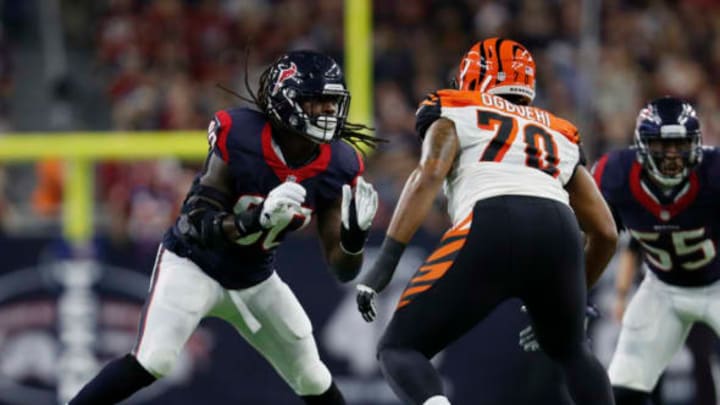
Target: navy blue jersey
{"type": "Point", "coordinates": [243, 139]}
{"type": "Point", "coordinates": [677, 232]}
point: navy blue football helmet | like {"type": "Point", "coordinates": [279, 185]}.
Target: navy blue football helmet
{"type": "Point", "coordinates": [668, 140]}
{"type": "Point", "coordinates": [300, 76]}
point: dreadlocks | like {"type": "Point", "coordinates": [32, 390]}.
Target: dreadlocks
{"type": "Point", "coordinates": [353, 133]}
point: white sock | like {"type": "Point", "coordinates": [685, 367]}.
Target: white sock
{"type": "Point", "coordinates": [437, 400]}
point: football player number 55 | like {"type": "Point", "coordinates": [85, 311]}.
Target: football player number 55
{"type": "Point", "coordinates": [683, 243]}
{"type": "Point", "coordinates": [540, 149]}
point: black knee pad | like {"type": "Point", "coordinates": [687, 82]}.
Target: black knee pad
{"type": "Point", "coordinates": [629, 396]}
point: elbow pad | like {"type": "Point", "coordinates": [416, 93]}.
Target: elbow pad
{"type": "Point", "coordinates": [207, 228]}
{"type": "Point", "coordinates": [203, 227]}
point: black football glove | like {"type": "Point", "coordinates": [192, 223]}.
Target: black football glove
{"type": "Point", "coordinates": [366, 302]}
{"type": "Point", "coordinates": [205, 231]}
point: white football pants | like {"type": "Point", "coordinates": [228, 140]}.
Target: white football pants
{"type": "Point", "coordinates": [267, 315]}
{"type": "Point", "coordinates": [655, 325]}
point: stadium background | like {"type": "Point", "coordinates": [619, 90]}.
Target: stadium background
{"type": "Point", "coordinates": [152, 65]}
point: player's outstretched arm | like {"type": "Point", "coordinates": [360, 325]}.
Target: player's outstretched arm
{"type": "Point", "coordinates": [440, 147]}
{"type": "Point", "coordinates": [596, 221]}
{"type": "Point", "coordinates": [344, 228]}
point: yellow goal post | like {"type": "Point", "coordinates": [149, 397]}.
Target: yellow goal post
{"type": "Point", "coordinates": [80, 150]}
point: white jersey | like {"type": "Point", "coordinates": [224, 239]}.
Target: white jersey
{"type": "Point", "coordinates": [505, 149]}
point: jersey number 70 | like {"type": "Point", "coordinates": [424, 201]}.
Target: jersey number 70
{"type": "Point", "coordinates": [540, 148]}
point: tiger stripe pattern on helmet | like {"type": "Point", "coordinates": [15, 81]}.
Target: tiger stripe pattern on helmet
{"type": "Point", "coordinates": [498, 66]}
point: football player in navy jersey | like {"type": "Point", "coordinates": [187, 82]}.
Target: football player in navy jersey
{"type": "Point", "coordinates": [664, 192]}
{"type": "Point", "coordinates": [266, 174]}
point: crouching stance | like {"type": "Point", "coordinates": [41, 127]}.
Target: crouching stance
{"type": "Point", "coordinates": [266, 174]}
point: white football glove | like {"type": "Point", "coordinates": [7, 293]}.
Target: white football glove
{"type": "Point", "coordinates": [366, 203]}
{"type": "Point", "coordinates": [282, 203]}
{"type": "Point", "coordinates": [357, 213]}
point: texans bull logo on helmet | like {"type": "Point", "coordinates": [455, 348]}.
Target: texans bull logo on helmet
{"type": "Point", "coordinates": [285, 73]}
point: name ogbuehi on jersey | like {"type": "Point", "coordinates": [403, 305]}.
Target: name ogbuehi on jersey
{"type": "Point", "coordinates": [524, 111]}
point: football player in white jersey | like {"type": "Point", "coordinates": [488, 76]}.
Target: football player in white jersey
{"type": "Point", "coordinates": [519, 197]}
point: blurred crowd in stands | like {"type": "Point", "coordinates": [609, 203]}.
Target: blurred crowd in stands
{"type": "Point", "coordinates": [160, 61]}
